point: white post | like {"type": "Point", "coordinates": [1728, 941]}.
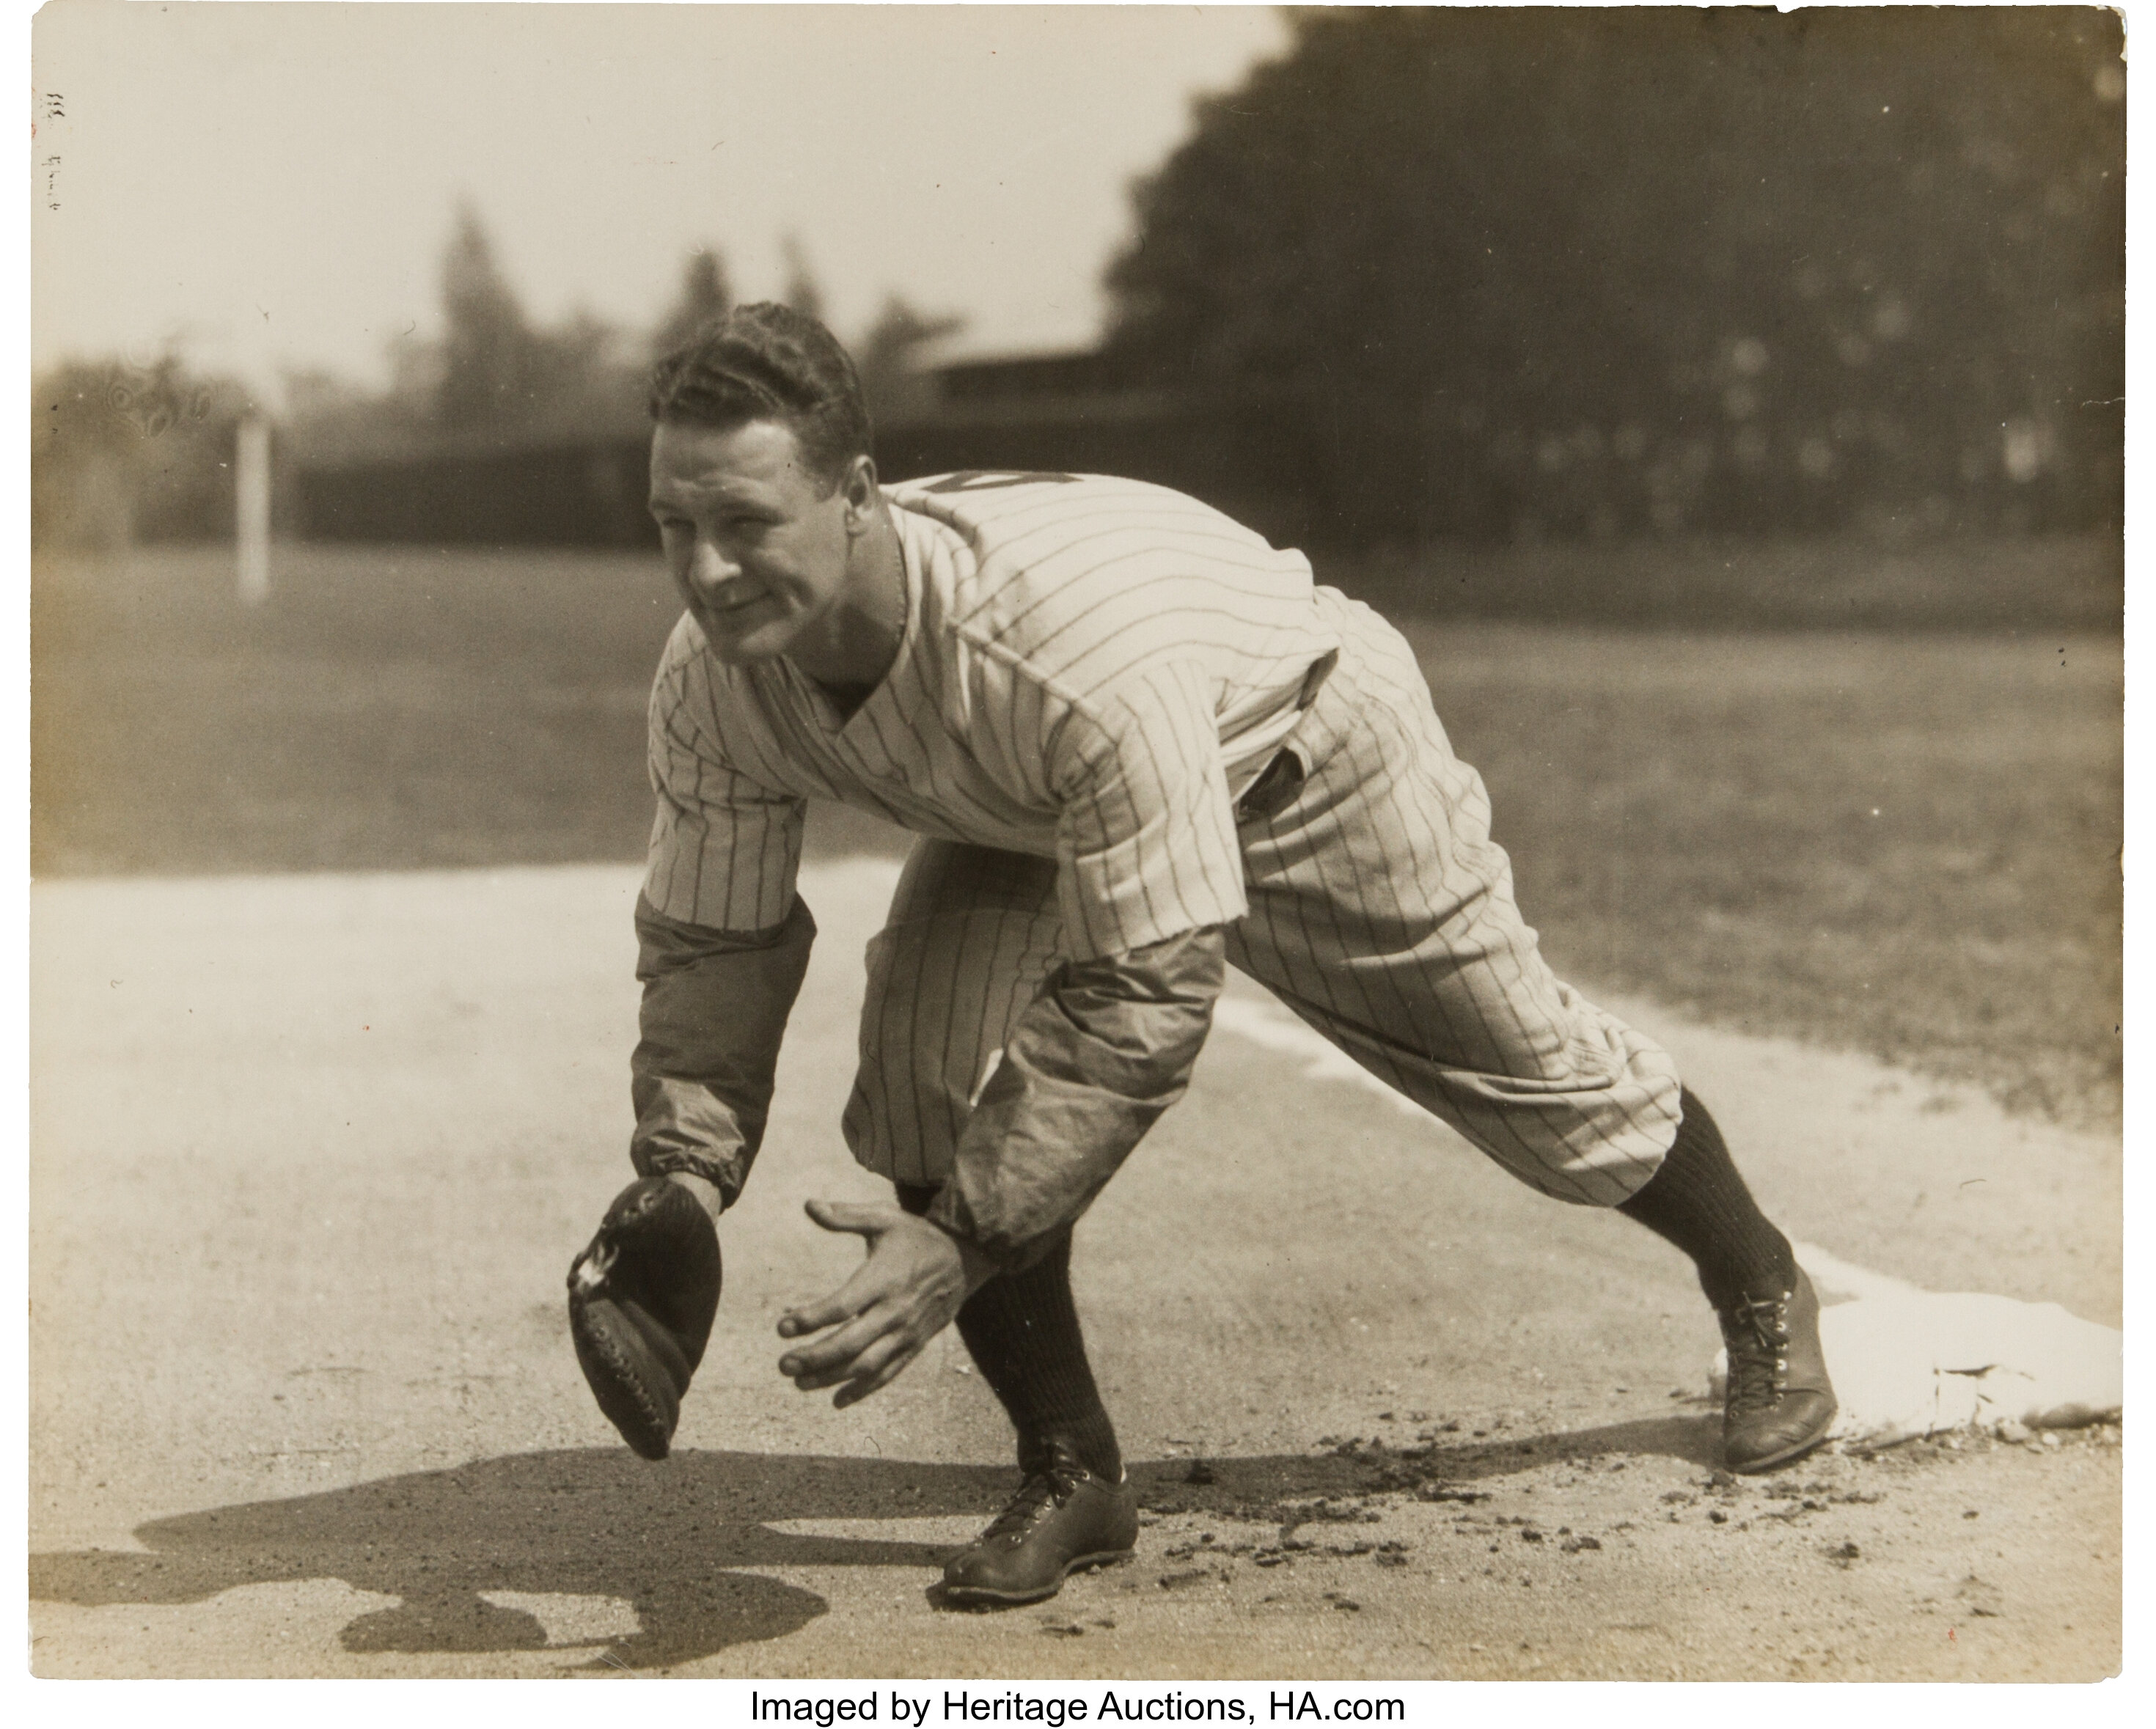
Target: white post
{"type": "Point", "coordinates": [252, 482]}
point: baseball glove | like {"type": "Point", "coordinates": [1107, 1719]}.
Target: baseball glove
{"type": "Point", "coordinates": [641, 1300]}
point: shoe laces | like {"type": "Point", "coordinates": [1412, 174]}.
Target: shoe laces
{"type": "Point", "coordinates": [1756, 1331]}
{"type": "Point", "coordinates": [1041, 1494]}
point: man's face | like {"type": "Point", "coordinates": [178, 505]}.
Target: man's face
{"type": "Point", "coordinates": [756, 544]}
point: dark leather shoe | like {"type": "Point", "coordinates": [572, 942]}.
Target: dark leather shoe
{"type": "Point", "coordinates": [1064, 1520]}
{"type": "Point", "coordinates": [1780, 1402]}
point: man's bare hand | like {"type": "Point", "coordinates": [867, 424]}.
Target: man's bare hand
{"type": "Point", "coordinates": [907, 1290]}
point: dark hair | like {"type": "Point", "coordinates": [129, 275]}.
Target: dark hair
{"type": "Point", "coordinates": [766, 361]}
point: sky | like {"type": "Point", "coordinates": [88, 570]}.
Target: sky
{"type": "Point", "coordinates": [265, 186]}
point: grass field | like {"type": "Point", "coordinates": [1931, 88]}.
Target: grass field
{"type": "Point", "coordinates": [1903, 842]}
{"type": "Point", "coordinates": [2043, 584]}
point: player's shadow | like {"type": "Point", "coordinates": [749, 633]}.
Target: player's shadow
{"type": "Point", "coordinates": [679, 1542]}
{"type": "Point", "coordinates": [682, 1542]}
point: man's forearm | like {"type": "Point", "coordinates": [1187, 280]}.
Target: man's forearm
{"type": "Point", "coordinates": [1104, 1048]}
{"type": "Point", "coordinates": [714, 1009]}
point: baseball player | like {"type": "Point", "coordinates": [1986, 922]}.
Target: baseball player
{"type": "Point", "coordinates": [1138, 745]}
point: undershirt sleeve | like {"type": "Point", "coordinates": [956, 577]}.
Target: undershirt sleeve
{"type": "Point", "coordinates": [1098, 1055]}
{"type": "Point", "coordinates": [714, 1009]}
{"type": "Point", "coordinates": [722, 939]}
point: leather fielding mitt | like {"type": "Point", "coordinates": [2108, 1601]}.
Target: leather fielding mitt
{"type": "Point", "coordinates": [641, 1300]}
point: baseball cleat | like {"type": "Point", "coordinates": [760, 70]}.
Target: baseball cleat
{"type": "Point", "coordinates": [1063, 1521]}
{"type": "Point", "coordinates": [641, 1301]}
{"type": "Point", "coordinates": [1780, 1402]}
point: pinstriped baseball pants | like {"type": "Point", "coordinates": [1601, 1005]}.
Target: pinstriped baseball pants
{"type": "Point", "coordinates": [1380, 912]}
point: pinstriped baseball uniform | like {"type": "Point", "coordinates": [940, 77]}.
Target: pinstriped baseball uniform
{"type": "Point", "coordinates": [1093, 672]}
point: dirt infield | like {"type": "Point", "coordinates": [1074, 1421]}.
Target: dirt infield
{"type": "Point", "coordinates": [313, 1153]}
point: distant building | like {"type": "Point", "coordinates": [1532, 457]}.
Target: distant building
{"type": "Point", "coordinates": [1250, 455]}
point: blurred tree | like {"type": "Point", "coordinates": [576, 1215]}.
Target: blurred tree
{"type": "Point", "coordinates": [330, 419]}
{"type": "Point", "coordinates": [588, 380]}
{"type": "Point", "coordinates": [491, 381]}
{"type": "Point", "coordinates": [1608, 268]}
{"type": "Point", "coordinates": [491, 359]}
{"type": "Point", "coordinates": [706, 293]}
{"type": "Point", "coordinates": [122, 453]}
{"type": "Point", "coordinates": [888, 359]}
{"type": "Point", "coordinates": [84, 459]}
{"type": "Point", "coordinates": [802, 292]}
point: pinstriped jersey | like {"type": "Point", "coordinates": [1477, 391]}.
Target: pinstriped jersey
{"type": "Point", "coordinates": [1091, 669]}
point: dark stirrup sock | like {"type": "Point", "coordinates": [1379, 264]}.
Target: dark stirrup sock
{"type": "Point", "coordinates": [1022, 1330]}
{"type": "Point", "coordinates": [1698, 1201]}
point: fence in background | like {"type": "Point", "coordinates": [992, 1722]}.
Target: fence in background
{"type": "Point", "coordinates": [1254, 459]}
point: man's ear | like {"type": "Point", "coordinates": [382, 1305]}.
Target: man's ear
{"type": "Point", "coordinates": [861, 493]}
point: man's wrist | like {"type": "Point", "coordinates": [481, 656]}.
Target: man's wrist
{"type": "Point", "coordinates": [707, 1192]}
{"type": "Point", "coordinates": [976, 1265]}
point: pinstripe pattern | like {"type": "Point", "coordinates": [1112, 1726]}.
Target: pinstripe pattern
{"type": "Point", "coordinates": [1091, 670]}
{"type": "Point", "coordinates": [1383, 914]}
{"type": "Point", "coordinates": [971, 936]}
{"type": "Point", "coordinates": [1379, 911]}
{"type": "Point", "coordinates": [724, 849]}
